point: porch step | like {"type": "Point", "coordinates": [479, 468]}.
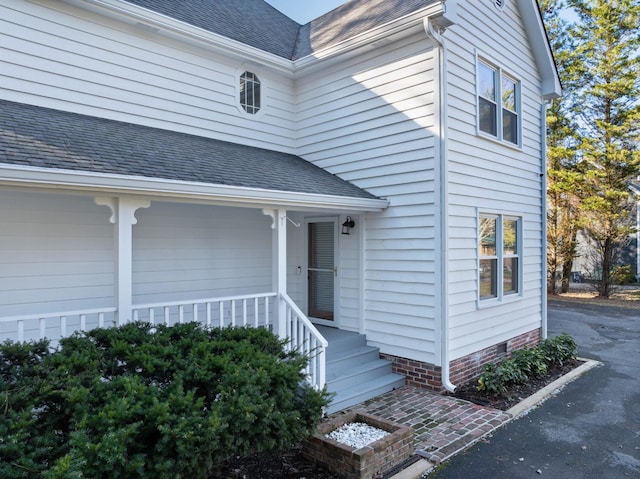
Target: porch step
{"type": "Point", "coordinates": [355, 371]}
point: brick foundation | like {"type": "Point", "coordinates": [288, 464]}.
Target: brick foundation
{"type": "Point", "coordinates": [461, 370]}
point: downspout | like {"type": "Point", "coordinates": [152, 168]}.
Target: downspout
{"type": "Point", "coordinates": [543, 186]}
{"type": "Point", "coordinates": [442, 126]}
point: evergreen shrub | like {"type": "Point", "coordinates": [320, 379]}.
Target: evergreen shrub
{"type": "Point", "coordinates": [142, 401]}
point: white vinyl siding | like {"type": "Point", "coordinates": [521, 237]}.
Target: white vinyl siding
{"type": "Point", "coordinates": [490, 176]}
{"type": "Point", "coordinates": [189, 252]}
{"type": "Point", "coordinates": [58, 56]}
{"type": "Point", "coordinates": [56, 254]}
{"type": "Point", "coordinates": [371, 122]}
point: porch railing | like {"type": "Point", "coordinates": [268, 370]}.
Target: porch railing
{"type": "Point", "coordinates": [267, 310]}
{"type": "Point", "coordinates": [254, 310]}
{"type": "Point", "coordinates": [54, 325]}
{"type": "Point", "coordinates": [306, 338]}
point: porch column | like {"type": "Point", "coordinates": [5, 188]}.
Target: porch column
{"type": "Point", "coordinates": [123, 211]}
{"type": "Point", "coordinates": [279, 264]}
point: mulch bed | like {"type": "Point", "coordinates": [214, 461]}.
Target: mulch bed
{"type": "Point", "coordinates": [515, 393]}
{"type": "Point", "coordinates": [287, 464]}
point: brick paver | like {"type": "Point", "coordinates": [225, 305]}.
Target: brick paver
{"type": "Point", "coordinates": [442, 425]}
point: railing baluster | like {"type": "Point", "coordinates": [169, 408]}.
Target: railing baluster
{"type": "Point", "coordinates": [244, 312]}
{"type": "Point", "coordinates": [221, 314]}
{"type": "Point", "coordinates": [208, 315]}
{"type": "Point", "coordinates": [152, 316]}
{"type": "Point", "coordinates": [181, 314]}
{"type": "Point", "coordinates": [266, 312]}
{"type": "Point", "coordinates": [135, 315]}
{"type": "Point", "coordinates": [233, 313]}
{"type": "Point", "coordinates": [63, 326]}
{"type": "Point", "coordinates": [195, 312]}
{"type": "Point", "coordinates": [43, 328]}
{"type": "Point", "coordinates": [83, 322]}
{"type": "Point", "coordinates": [101, 320]}
{"type": "Point", "coordinates": [21, 331]}
{"type": "Point", "coordinates": [256, 313]}
{"type": "Point", "coordinates": [166, 315]}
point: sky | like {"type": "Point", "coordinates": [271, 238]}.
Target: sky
{"type": "Point", "coordinates": [303, 11]}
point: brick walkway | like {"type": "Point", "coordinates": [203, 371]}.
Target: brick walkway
{"type": "Point", "coordinates": [442, 425]}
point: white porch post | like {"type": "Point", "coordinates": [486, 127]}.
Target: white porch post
{"type": "Point", "coordinates": [279, 265]}
{"type": "Point", "coordinates": [123, 216]}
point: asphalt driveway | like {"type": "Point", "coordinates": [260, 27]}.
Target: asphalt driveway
{"type": "Point", "coordinates": [591, 429]}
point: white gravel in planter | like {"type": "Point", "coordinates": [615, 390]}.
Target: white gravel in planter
{"type": "Point", "coordinates": [356, 434]}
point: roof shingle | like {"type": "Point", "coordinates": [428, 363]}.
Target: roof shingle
{"type": "Point", "coordinates": [46, 138]}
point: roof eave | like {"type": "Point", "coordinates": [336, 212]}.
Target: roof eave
{"type": "Point", "coordinates": [101, 184]}
{"type": "Point", "coordinates": [374, 38]}
{"type": "Point", "coordinates": [157, 23]}
{"type": "Point", "coordinates": [532, 18]}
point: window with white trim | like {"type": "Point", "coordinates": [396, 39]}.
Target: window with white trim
{"type": "Point", "coordinates": [250, 98]}
{"type": "Point", "coordinates": [500, 255]}
{"type": "Point", "coordinates": [498, 103]}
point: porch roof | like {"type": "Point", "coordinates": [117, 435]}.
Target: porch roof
{"type": "Point", "coordinates": [47, 139]}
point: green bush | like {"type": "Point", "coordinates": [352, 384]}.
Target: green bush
{"type": "Point", "coordinates": [526, 363]}
{"type": "Point", "coordinates": [144, 401]}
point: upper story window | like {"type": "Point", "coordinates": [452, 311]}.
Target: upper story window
{"type": "Point", "coordinates": [498, 104]}
{"type": "Point", "coordinates": [250, 95]}
{"type": "Point", "coordinates": [500, 256]}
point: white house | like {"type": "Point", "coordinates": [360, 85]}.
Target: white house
{"type": "Point", "coordinates": [377, 171]}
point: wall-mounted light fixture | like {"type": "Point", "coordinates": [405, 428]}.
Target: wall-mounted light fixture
{"type": "Point", "coordinates": [347, 225]}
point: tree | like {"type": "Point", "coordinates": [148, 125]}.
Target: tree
{"type": "Point", "coordinates": [608, 114]}
{"type": "Point", "coordinates": [563, 175]}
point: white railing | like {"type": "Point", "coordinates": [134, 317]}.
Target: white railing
{"type": "Point", "coordinates": [282, 317]}
{"type": "Point", "coordinates": [304, 337]}
{"type": "Point", "coordinates": [55, 325]}
{"type": "Point", "coordinates": [255, 310]}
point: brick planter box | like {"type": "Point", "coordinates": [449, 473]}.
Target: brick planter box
{"type": "Point", "coordinates": [368, 462]}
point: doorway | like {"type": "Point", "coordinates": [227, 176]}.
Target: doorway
{"type": "Point", "coordinates": [321, 269]}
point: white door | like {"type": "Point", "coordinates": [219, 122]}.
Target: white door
{"type": "Point", "coordinates": [321, 269]}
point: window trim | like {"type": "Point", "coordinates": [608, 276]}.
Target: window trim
{"type": "Point", "coordinates": [500, 107]}
{"type": "Point", "coordinates": [238, 93]}
{"type": "Point", "coordinates": [500, 256]}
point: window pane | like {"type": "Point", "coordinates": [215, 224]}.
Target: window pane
{"type": "Point", "coordinates": [510, 276]}
{"type": "Point", "coordinates": [488, 278]}
{"type": "Point", "coordinates": [510, 236]}
{"type": "Point", "coordinates": [508, 93]}
{"type": "Point", "coordinates": [487, 241]}
{"type": "Point", "coordinates": [510, 126]}
{"type": "Point", "coordinates": [250, 92]}
{"type": "Point", "coordinates": [486, 82]}
{"type": "Point", "coordinates": [488, 120]}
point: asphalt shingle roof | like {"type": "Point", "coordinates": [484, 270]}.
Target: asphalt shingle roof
{"type": "Point", "coordinates": [41, 137]}
{"type": "Point", "coordinates": [258, 24]}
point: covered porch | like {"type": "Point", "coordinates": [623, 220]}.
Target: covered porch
{"type": "Point", "coordinates": [74, 262]}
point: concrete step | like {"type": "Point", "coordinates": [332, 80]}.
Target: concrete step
{"type": "Point", "coordinates": [355, 371]}
{"type": "Point", "coordinates": [354, 395]}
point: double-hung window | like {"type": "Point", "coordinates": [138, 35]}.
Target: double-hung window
{"type": "Point", "coordinates": [500, 256]}
{"type": "Point", "coordinates": [498, 103]}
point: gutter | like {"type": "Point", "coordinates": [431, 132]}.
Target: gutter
{"type": "Point", "coordinates": [158, 188]}
{"type": "Point", "coordinates": [434, 27]}
{"type": "Point", "coordinates": [543, 199]}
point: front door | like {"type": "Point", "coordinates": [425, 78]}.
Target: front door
{"type": "Point", "coordinates": [321, 270]}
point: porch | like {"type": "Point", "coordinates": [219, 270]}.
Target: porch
{"type": "Point", "coordinates": [341, 360]}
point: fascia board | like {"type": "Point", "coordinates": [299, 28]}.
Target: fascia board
{"type": "Point", "coordinates": [551, 86]}
{"type": "Point", "coordinates": [154, 22]}
{"type": "Point", "coordinates": [98, 183]}
{"type": "Point", "coordinates": [396, 29]}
